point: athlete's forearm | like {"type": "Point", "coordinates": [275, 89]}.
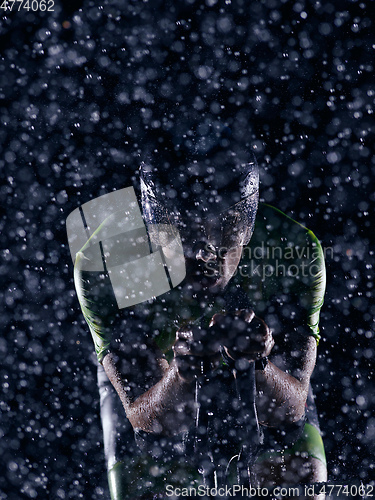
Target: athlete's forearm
{"type": "Point", "coordinates": [166, 408]}
{"type": "Point", "coordinates": [280, 397]}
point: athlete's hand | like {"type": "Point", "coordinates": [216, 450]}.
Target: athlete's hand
{"type": "Point", "coordinates": [196, 351]}
{"type": "Point", "coordinates": [243, 334]}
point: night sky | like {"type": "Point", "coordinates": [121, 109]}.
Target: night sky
{"type": "Point", "coordinates": [84, 94]}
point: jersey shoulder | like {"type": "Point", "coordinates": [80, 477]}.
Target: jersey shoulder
{"type": "Point", "coordinates": [289, 261]}
{"type": "Point", "coordinates": [273, 225]}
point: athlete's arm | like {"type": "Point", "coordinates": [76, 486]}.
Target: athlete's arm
{"type": "Point", "coordinates": [282, 393]}
{"type": "Point", "coordinates": [165, 407]}
{"type": "Point", "coordinates": [282, 385]}
{"type": "Point", "coordinates": [154, 396]}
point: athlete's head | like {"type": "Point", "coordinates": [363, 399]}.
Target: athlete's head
{"type": "Point", "coordinates": [212, 201]}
